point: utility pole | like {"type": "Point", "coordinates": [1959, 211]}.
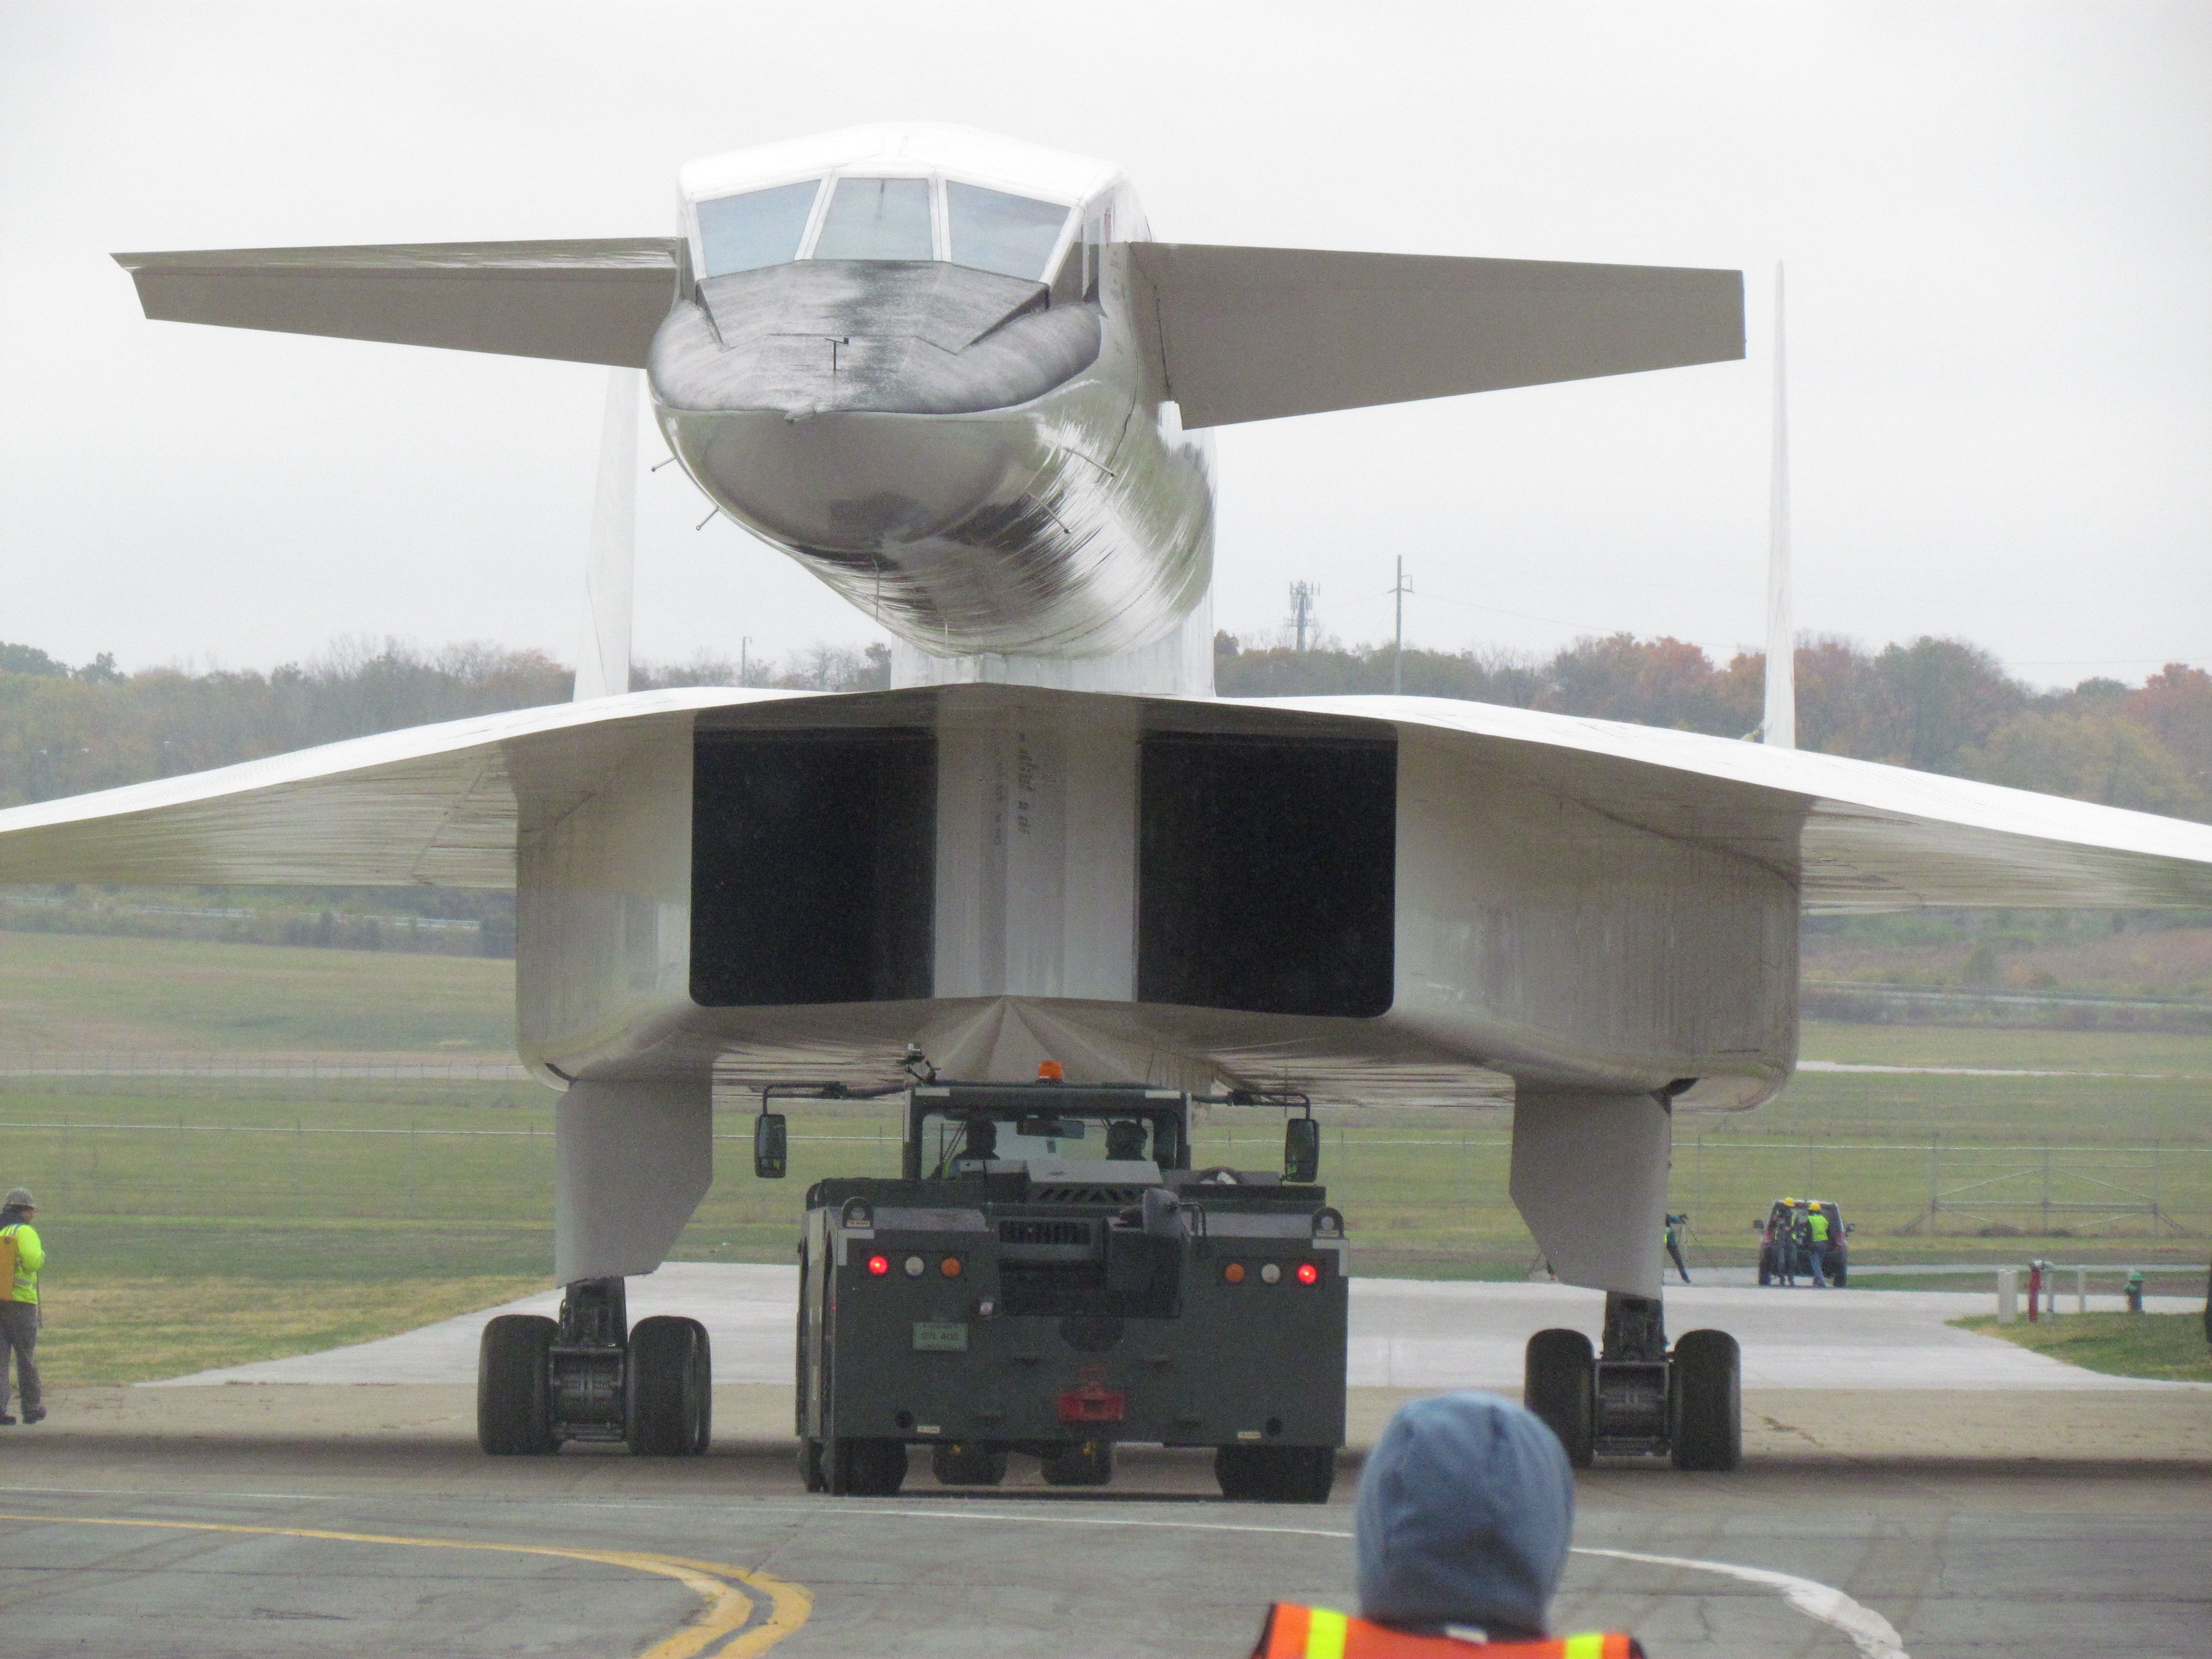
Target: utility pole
{"type": "Point", "coordinates": [1398, 590]}
{"type": "Point", "coordinates": [1302, 595]}
{"type": "Point", "coordinates": [746, 660]}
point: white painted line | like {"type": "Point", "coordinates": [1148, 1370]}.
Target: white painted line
{"type": "Point", "coordinates": [1874, 1636]}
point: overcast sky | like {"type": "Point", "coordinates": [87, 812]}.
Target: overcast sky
{"type": "Point", "coordinates": [1997, 221]}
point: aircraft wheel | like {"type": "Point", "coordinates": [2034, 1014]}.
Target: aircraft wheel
{"type": "Point", "coordinates": [671, 1396]}
{"type": "Point", "coordinates": [969, 1463]}
{"type": "Point", "coordinates": [1081, 1463]}
{"type": "Point", "coordinates": [1705, 1401]}
{"type": "Point", "coordinates": [865, 1468]}
{"type": "Point", "coordinates": [1559, 1384]}
{"type": "Point", "coordinates": [514, 1404]}
{"type": "Point", "coordinates": [1275, 1474]}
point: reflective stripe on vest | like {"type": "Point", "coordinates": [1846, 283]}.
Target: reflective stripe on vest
{"type": "Point", "coordinates": [1298, 1633]}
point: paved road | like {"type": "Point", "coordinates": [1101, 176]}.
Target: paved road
{"type": "Point", "coordinates": [400, 1547]}
{"type": "Point", "coordinates": [1406, 1333]}
{"type": "Point", "coordinates": [307, 1519]}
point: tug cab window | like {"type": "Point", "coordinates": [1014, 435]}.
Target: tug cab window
{"type": "Point", "coordinates": [877, 219]}
{"type": "Point", "coordinates": [991, 230]}
{"type": "Point", "coordinates": [759, 227]}
{"type": "Point", "coordinates": [963, 1143]}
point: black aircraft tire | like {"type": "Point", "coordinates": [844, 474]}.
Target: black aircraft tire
{"type": "Point", "coordinates": [670, 1387]}
{"type": "Point", "coordinates": [864, 1468]}
{"type": "Point", "coordinates": [1705, 1402]}
{"type": "Point", "coordinates": [514, 1404]}
{"type": "Point", "coordinates": [968, 1463]}
{"type": "Point", "coordinates": [1079, 1463]}
{"type": "Point", "coordinates": [1559, 1384]}
{"type": "Point", "coordinates": [1275, 1474]}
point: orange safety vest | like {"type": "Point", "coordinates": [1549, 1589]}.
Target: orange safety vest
{"type": "Point", "coordinates": [1297, 1633]}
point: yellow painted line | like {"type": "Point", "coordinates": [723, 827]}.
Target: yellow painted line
{"type": "Point", "coordinates": [727, 1606]}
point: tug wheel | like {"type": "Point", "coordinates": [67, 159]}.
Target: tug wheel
{"type": "Point", "coordinates": [968, 1463]}
{"type": "Point", "coordinates": [1079, 1463]}
{"type": "Point", "coordinates": [1275, 1474]}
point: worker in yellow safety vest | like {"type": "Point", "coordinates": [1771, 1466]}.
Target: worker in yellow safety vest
{"type": "Point", "coordinates": [1465, 1511]}
{"type": "Point", "coordinates": [21, 1255]}
{"type": "Point", "coordinates": [1816, 1224]}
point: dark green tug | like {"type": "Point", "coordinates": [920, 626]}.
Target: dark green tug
{"type": "Point", "coordinates": [1051, 1277]}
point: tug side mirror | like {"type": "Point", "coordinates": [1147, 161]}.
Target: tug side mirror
{"type": "Point", "coordinates": [771, 1146]}
{"type": "Point", "coordinates": [1301, 1150]}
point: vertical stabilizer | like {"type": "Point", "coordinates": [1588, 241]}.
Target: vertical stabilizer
{"type": "Point", "coordinates": [1780, 725]}
{"type": "Point", "coordinates": [603, 655]}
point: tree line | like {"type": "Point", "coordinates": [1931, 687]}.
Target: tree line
{"type": "Point", "coordinates": [1935, 705]}
{"type": "Point", "coordinates": [65, 731]}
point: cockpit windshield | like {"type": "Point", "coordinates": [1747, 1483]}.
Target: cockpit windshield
{"type": "Point", "coordinates": [991, 230]}
{"type": "Point", "coordinates": [877, 219]}
{"type": "Point", "coordinates": [886, 218]}
{"type": "Point", "coordinates": [759, 227]}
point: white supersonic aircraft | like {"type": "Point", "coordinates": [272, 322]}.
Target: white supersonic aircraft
{"type": "Point", "coordinates": [953, 376]}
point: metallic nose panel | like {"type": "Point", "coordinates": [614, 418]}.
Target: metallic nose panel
{"type": "Point", "coordinates": [900, 337]}
{"type": "Point", "coordinates": [969, 463]}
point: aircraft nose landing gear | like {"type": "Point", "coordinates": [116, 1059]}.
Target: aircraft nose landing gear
{"type": "Point", "coordinates": [591, 1377]}
{"type": "Point", "coordinates": [1637, 1399]}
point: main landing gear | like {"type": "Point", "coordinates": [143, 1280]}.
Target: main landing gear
{"type": "Point", "coordinates": [1637, 1399]}
{"type": "Point", "coordinates": [592, 1375]}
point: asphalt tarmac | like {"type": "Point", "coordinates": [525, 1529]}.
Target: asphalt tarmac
{"type": "Point", "coordinates": [308, 1518]}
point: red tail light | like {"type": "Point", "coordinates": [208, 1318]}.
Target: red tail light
{"type": "Point", "coordinates": [879, 1264]}
{"type": "Point", "coordinates": [1092, 1404]}
{"type": "Point", "coordinates": [1309, 1273]}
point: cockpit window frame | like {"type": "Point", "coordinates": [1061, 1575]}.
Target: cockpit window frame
{"type": "Point", "coordinates": [1078, 213]}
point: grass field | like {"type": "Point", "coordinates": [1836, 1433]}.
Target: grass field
{"type": "Point", "coordinates": [360, 1216]}
{"type": "Point", "coordinates": [118, 1330]}
{"type": "Point", "coordinates": [77, 993]}
{"type": "Point", "coordinates": [2171, 1347]}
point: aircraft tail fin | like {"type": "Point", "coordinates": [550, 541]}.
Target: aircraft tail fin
{"type": "Point", "coordinates": [579, 301]}
{"type": "Point", "coordinates": [1256, 334]}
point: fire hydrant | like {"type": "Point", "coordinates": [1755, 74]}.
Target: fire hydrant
{"type": "Point", "coordinates": [2135, 1290]}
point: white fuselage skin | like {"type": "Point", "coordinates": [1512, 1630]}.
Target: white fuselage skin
{"type": "Point", "coordinates": [985, 463]}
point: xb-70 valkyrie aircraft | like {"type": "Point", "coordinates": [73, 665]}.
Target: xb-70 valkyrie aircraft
{"type": "Point", "coordinates": [954, 377]}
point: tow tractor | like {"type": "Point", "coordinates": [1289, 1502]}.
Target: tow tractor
{"type": "Point", "coordinates": [1049, 1277]}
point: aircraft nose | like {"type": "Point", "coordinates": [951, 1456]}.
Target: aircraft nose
{"type": "Point", "coordinates": [885, 337]}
